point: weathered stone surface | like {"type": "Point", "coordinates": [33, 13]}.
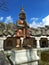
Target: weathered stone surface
{"type": "Point", "coordinates": [6, 29]}
{"type": "Point", "coordinates": [24, 56]}
{"type": "Point", "coordinates": [32, 31]}
{"type": "Point", "coordinates": [47, 32]}
{"type": "Point", "coordinates": [1, 42]}
{"type": "Point", "coordinates": [38, 31]}
{"type": "Point", "coordinates": [30, 42]}
{"type": "Point", "coordinates": [3, 59]}
{"type": "Point", "coordinates": [31, 63]}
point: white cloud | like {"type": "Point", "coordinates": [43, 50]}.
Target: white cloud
{"type": "Point", "coordinates": [35, 19]}
{"type": "Point", "coordinates": [34, 22]}
{"type": "Point", "coordinates": [9, 19]}
{"type": "Point", "coordinates": [1, 18]}
{"type": "Point", "coordinates": [45, 21]}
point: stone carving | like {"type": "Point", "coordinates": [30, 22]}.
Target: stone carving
{"type": "Point", "coordinates": [24, 57]}
{"type": "Point", "coordinates": [47, 32]}
{"type": "Point", "coordinates": [11, 28]}
{"type": "Point", "coordinates": [22, 29]}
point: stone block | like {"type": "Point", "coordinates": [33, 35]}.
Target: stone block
{"type": "Point", "coordinates": [24, 56]}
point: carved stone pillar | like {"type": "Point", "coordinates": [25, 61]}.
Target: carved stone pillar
{"type": "Point", "coordinates": [48, 41]}
{"type": "Point", "coordinates": [18, 42]}
{"type": "Point", "coordinates": [21, 41]}
{"type": "Point", "coordinates": [38, 43]}
{"type": "Point", "coordinates": [2, 42]}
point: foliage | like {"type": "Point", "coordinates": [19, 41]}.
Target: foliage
{"type": "Point", "coordinates": [44, 58]}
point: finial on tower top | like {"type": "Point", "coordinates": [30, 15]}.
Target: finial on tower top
{"type": "Point", "coordinates": [22, 15]}
{"type": "Point", "coordinates": [22, 10]}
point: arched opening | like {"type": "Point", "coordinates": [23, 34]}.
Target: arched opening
{"type": "Point", "coordinates": [29, 41]}
{"type": "Point", "coordinates": [43, 42]}
{"type": "Point", "coordinates": [9, 43]}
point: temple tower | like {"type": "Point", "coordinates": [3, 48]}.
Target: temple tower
{"type": "Point", "coordinates": [22, 27]}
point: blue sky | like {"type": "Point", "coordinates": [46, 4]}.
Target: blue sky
{"type": "Point", "coordinates": [37, 12]}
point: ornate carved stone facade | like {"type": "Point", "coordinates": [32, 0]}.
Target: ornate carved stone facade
{"type": "Point", "coordinates": [11, 28]}
{"type": "Point", "coordinates": [20, 32]}
{"type": "Point", "coordinates": [39, 31]}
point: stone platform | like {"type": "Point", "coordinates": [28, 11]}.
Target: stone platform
{"type": "Point", "coordinates": [24, 57]}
